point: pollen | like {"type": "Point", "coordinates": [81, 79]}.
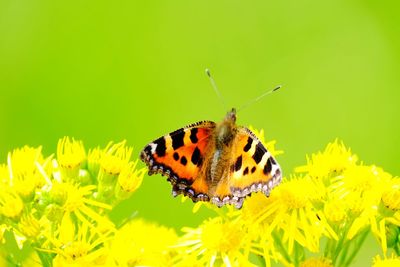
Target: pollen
{"type": "Point", "coordinates": [29, 226]}
{"type": "Point", "coordinates": [298, 192]}
{"type": "Point", "coordinates": [70, 153]}
{"type": "Point", "coordinates": [391, 196]}
{"type": "Point", "coordinates": [316, 262]}
{"type": "Point", "coordinates": [115, 157]}
{"type": "Point", "coordinates": [221, 236]}
{"type": "Point", "coordinates": [11, 204]}
{"type": "Point", "coordinates": [335, 159]}
{"type": "Point", "coordinates": [392, 261]}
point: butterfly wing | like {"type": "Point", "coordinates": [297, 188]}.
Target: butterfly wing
{"type": "Point", "coordinates": [252, 169]}
{"type": "Point", "coordinates": [180, 156]}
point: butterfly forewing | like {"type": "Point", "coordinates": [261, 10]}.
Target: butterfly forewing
{"type": "Point", "coordinates": [180, 155]}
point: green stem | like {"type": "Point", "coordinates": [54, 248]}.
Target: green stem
{"type": "Point", "coordinates": [262, 261]}
{"type": "Point", "coordinates": [298, 254]}
{"type": "Point", "coordinates": [340, 247]}
{"type": "Point", "coordinates": [357, 247]}
{"type": "Point", "coordinates": [397, 248]}
{"type": "Point", "coordinates": [45, 258]}
{"type": "Point", "coordinates": [281, 247]}
{"type": "Point", "coordinates": [342, 255]}
{"type": "Point", "coordinates": [328, 248]}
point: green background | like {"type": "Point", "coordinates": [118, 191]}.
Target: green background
{"type": "Point", "coordinates": [134, 70]}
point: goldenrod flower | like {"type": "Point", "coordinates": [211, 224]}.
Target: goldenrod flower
{"type": "Point", "coordinates": [70, 157]}
{"type": "Point", "coordinates": [257, 210]}
{"type": "Point", "coordinates": [107, 164]}
{"type": "Point", "coordinates": [385, 221]}
{"type": "Point", "coordinates": [29, 226]}
{"type": "Point", "coordinates": [129, 180]}
{"type": "Point", "coordinates": [93, 160]}
{"type": "Point", "coordinates": [81, 246]}
{"type": "Point", "coordinates": [316, 262]}
{"type": "Point", "coordinates": [361, 187]}
{"type": "Point", "coordinates": [367, 181]}
{"type": "Point", "coordinates": [3, 228]}
{"type": "Point", "coordinates": [391, 195]}
{"type": "Point", "coordinates": [21, 161]}
{"type": "Point", "coordinates": [392, 261]}
{"type": "Point", "coordinates": [4, 175]}
{"type": "Point", "coordinates": [23, 174]}
{"type": "Point", "coordinates": [139, 243]}
{"type": "Point", "coordinates": [215, 241]}
{"type": "Point", "coordinates": [332, 161]}
{"type": "Point", "coordinates": [290, 209]}
{"type": "Point", "coordinates": [335, 210]}
{"type": "Point", "coordinates": [115, 157]}
{"type": "Point", "coordinates": [11, 204]}
{"type": "Point", "coordinates": [59, 207]}
{"type": "Point", "coordinates": [75, 199]}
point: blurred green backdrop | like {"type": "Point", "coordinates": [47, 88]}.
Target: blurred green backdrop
{"type": "Point", "coordinates": [100, 71]}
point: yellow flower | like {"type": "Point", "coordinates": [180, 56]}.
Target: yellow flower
{"type": "Point", "coordinates": [11, 204]}
{"type": "Point", "coordinates": [4, 175]}
{"type": "Point", "coordinates": [3, 228]}
{"type": "Point", "coordinates": [22, 161]}
{"type": "Point", "coordinates": [392, 261]}
{"type": "Point", "coordinates": [361, 187]}
{"type": "Point", "coordinates": [107, 164]}
{"type": "Point", "coordinates": [216, 241]}
{"type": "Point", "coordinates": [115, 157]}
{"type": "Point", "coordinates": [129, 180]}
{"type": "Point", "coordinates": [290, 209]}
{"type": "Point", "coordinates": [75, 199]}
{"type": "Point", "coordinates": [139, 243]}
{"type": "Point", "coordinates": [335, 210]}
{"type": "Point", "coordinates": [29, 226]}
{"type": "Point", "coordinates": [258, 212]}
{"type": "Point", "coordinates": [80, 246]}
{"type": "Point", "coordinates": [24, 175]}
{"type": "Point", "coordinates": [94, 157]}
{"type": "Point", "coordinates": [363, 180]}
{"type": "Point", "coordinates": [316, 262]}
{"type": "Point", "coordinates": [391, 195]}
{"type": "Point", "coordinates": [70, 156]}
{"type": "Point", "coordinates": [332, 161]}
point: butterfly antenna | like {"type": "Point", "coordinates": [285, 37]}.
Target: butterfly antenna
{"type": "Point", "coordinates": [252, 101]}
{"type": "Point", "coordinates": [214, 85]}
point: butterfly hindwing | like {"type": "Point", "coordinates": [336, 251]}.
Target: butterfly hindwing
{"type": "Point", "coordinates": [253, 167]}
{"type": "Point", "coordinates": [180, 156]}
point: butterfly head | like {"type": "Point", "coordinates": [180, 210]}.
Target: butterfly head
{"type": "Point", "coordinates": [231, 116]}
{"type": "Point", "coordinates": [226, 130]}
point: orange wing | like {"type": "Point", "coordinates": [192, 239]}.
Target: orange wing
{"type": "Point", "coordinates": [180, 156]}
{"type": "Point", "coordinates": [252, 169]}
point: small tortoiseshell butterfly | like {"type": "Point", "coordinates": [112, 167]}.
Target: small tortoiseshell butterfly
{"type": "Point", "coordinates": [218, 162]}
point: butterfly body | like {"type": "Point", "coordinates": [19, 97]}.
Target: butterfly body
{"type": "Point", "coordinates": [218, 162]}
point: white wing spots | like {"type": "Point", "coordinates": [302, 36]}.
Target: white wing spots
{"type": "Point", "coordinates": [153, 147]}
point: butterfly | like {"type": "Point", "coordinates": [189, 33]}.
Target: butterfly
{"type": "Point", "coordinates": [218, 162]}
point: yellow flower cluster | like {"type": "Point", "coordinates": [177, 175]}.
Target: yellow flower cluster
{"type": "Point", "coordinates": [318, 216]}
{"type": "Point", "coordinates": [54, 212]}
{"type": "Point", "coordinates": [58, 206]}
